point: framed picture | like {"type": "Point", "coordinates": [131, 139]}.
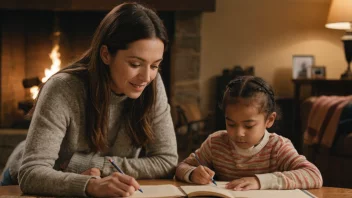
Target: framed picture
{"type": "Point", "coordinates": [301, 66]}
{"type": "Point", "coordinates": [318, 72]}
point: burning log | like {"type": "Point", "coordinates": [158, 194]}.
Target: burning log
{"type": "Point", "coordinates": [26, 106]}
{"type": "Point", "coordinates": [30, 82]}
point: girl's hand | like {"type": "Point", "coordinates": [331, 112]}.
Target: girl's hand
{"type": "Point", "coordinates": [202, 175]}
{"type": "Point", "coordinates": [115, 185]}
{"type": "Point", "coordinates": [245, 183]}
{"type": "Point", "coordinates": [92, 172]}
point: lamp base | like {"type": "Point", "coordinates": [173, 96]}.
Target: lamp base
{"type": "Point", "coordinates": [347, 75]}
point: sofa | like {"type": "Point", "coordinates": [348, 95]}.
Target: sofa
{"type": "Point", "coordinates": [332, 154]}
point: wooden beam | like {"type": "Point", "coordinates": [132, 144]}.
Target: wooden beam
{"type": "Point", "coordinates": [106, 5]}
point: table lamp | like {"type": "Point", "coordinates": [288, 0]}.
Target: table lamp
{"type": "Point", "coordinates": [340, 17]}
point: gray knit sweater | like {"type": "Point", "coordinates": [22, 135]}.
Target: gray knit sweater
{"type": "Point", "coordinates": [57, 134]}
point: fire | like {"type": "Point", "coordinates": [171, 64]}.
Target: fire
{"type": "Point", "coordinates": [55, 67]}
{"type": "Point", "coordinates": [34, 91]}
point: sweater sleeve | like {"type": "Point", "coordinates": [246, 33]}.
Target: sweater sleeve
{"type": "Point", "coordinates": [161, 154]}
{"type": "Point", "coordinates": [185, 167]}
{"type": "Point", "coordinates": [295, 171]}
{"type": "Point", "coordinates": [47, 130]}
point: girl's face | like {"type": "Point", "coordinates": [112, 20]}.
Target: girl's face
{"type": "Point", "coordinates": [245, 124]}
{"type": "Point", "coordinates": [134, 68]}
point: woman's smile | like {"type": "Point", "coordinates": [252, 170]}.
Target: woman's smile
{"type": "Point", "coordinates": [138, 87]}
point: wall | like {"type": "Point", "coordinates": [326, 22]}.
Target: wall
{"type": "Point", "coordinates": [186, 58]}
{"type": "Point", "coordinates": [266, 34]}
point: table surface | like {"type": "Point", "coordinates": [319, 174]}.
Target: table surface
{"type": "Point", "coordinates": [324, 192]}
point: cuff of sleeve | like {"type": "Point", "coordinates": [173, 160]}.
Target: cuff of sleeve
{"type": "Point", "coordinates": [78, 187]}
{"type": "Point", "coordinates": [269, 181]}
{"type": "Point", "coordinates": [79, 163]}
{"type": "Point", "coordinates": [188, 173]}
{"type": "Point", "coordinates": [97, 161]}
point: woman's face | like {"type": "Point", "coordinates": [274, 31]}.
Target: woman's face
{"type": "Point", "coordinates": [134, 68]}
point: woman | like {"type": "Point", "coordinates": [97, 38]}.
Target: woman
{"type": "Point", "coordinates": [111, 102]}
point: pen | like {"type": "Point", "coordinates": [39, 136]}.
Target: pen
{"type": "Point", "coordinates": [119, 169]}
{"type": "Point", "coordinates": [195, 156]}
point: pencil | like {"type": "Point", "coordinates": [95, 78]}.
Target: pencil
{"type": "Point", "coordinates": [195, 156]}
{"type": "Point", "coordinates": [119, 169]}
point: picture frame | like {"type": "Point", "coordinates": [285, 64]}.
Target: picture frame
{"type": "Point", "coordinates": [318, 72]}
{"type": "Point", "coordinates": [301, 66]}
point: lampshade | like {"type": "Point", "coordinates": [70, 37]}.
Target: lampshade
{"type": "Point", "coordinates": [340, 15]}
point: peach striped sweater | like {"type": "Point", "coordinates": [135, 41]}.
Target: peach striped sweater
{"type": "Point", "coordinates": [274, 161]}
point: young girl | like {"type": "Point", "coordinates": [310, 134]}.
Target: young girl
{"type": "Point", "coordinates": [110, 103]}
{"type": "Point", "coordinates": [246, 154]}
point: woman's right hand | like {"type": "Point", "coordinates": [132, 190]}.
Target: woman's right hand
{"type": "Point", "coordinates": [202, 175]}
{"type": "Point", "coordinates": [115, 185]}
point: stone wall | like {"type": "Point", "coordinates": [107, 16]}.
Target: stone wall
{"type": "Point", "coordinates": [186, 58]}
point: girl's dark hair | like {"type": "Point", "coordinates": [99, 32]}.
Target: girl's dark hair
{"type": "Point", "coordinates": [123, 25]}
{"type": "Point", "coordinates": [250, 87]}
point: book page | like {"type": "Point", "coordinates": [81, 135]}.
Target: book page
{"type": "Point", "coordinates": [169, 190]}
{"type": "Point", "coordinates": [296, 193]}
{"type": "Point", "coordinates": [271, 193]}
{"type": "Point", "coordinates": [159, 191]}
{"type": "Point", "coordinates": [221, 191]}
{"type": "Point", "coordinates": [205, 190]}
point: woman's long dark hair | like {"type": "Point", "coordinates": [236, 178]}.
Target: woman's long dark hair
{"type": "Point", "coordinates": [123, 25]}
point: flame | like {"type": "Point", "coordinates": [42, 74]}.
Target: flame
{"type": "Point", "coordinates": [34, 91]}
{"type": "Point", "coordinates": [55, 67]}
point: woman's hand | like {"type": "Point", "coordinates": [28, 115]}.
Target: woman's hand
{"type": "Point", "coordinates": [92, 172]}
{"type": "Point", "coordinates": [115, 185]}
{"type": "Point", "coordinates": [245, 183]}
{"type": "Point", "coordinates": [202, 175]}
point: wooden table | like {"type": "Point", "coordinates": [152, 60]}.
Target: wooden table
{"type": "Point", "coordinates": [325, 192]}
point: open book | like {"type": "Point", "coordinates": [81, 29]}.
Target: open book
{"type": "Point", "coordinates": [216, 191]}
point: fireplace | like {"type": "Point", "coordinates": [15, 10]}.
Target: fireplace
{"type": "Point", "coordinates": [27, 37]}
